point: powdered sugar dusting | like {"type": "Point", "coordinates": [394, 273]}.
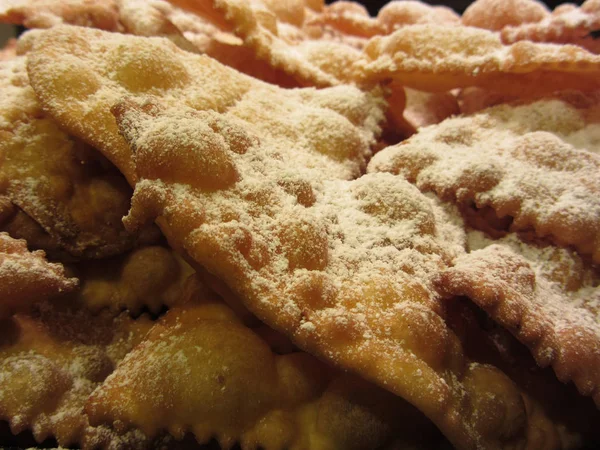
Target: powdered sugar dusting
{"type": "Point", "coordinates": [26, 277]}
{"type": "Point", "coordinates": [138, 67]}
{"type": "Point", "coordinates": [517, 160]}
{"type": "Point", "coordinates": [48, 373]}
{"type": "Point", "coordinates": [546, 296]}
{"type": "Point", "coordinates": [348, 270]}
{"type": "Point", "coordinates": [568, 289]}
{"type": "Point", "coordinates": [434, 57]}
{"type": "Point", "coordinates": [568, 24]}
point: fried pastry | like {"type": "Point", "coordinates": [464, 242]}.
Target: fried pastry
{"type": "Point", "coordinates": [223, 46]}
{"type": "Point", "coordinates": [286, 39]}
{"type": "Point", "coordinates": [546, 296]}
{"type": "Point", "coordinates": [557, 417]}
{"type": "Point", "coordinates": [529, 163]}
{"type": "Point", "coordinates": [349, 270]}
{"type": "Point", "coordinates": [496, 15]}
{"type": "Point", "coordinates": [440, 58]}
{"type": "Point", "coordinates": [318, 257]}
{"type": "Point", "coordinates": [321, 289]}
{"type": "Point", "coordinates": [210, 374]}
{"type": "Point", "coordinates": [26, 277]}
{"type": "Point", "coordinates": [144, 18]}
{"type": "Point", "coordinates": [190, 32]}
{"type": "Point", "coordinates": [349, 18]}
{"type": "Point", "coordinates": [200, 82]}
{"type": "Point", "coordinates": [69, 189]}
{"type": "Point", "coordinates": [568, 24]}
{"type": "Point", "coordinates": [101, 14]}
{"type": "Point", "coordinates": [518, 20]}
{"type": "Point", "coordinates": [50, 362]}
{"type": "Point", "coordinates": [397, 14]}
{"type": "Point", "coordinates": [149, 277]}
{"type": "Point", "coordinates": [318, 46]}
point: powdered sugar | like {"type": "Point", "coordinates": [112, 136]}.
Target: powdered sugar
{"type": "Point", "coordinates": [514, 159]}
{"type": "Point", "coordinates": [48, 373]}
{"type": "Point", "coordinates": [568, 289]}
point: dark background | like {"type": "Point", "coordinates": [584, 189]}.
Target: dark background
{"type": "Point", "coordinates": [458, 5]}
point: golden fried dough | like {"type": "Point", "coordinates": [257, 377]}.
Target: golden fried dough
{"type": "Point", "coordinates": [26, 277]}
{"type": "Point", "coordinates": [223, 46]}
{"type": "Point", "coordinates": [345, 268]}
{"type": "Point", "coordinates": [210, 374]}
{"type": "Point", "coordinates": [437, 58]}
{"type": "Point", "coordinates": [348, 277]}
{"type": "Point", "coordinates": [66, 187]}
{"type": "Point", "coordinates": [262, 190]}
{"type": "Point", "coordinates": [147, 277]}
{"type": "Point", "coordinates": [321, 46]}
{"type": "Point", "coordinates": [530, 163]}
{"type": "Point", "coordinates": [568, 24]}
{"type": "Point", "coordinates": [397, 14]}
{"type": "Point", "coordinates": [349, 18]}
{"type": "Point", "coordinates": [145, 18]}
{"type": "Point", "coordinates": [289, 41]}
{"type": "Point", "coordinates": [51, 361]}
{"type": "Point", "coordinates": [200, 82]}
{"type": "Point", "coordinates": [47, 13]}
{"type": "Point", "coordinates": [546, 296]}
{"type": "Point", "coordinates": [496, 15]}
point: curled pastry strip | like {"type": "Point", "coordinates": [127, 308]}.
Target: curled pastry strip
{"type": "Point", "coordinates": [568, 24]}
{"type": "Point", "coordinates": [559, 325]}
{"type": "Point", "coordinates": [26, 277]}
{"type": "Point", "coordinates": [438, 58]}
{"type": "Point", "coordinates": [533, 164]}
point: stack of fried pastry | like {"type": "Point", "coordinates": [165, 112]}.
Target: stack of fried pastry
{"type": "Point", "coordinates": [290, 225]}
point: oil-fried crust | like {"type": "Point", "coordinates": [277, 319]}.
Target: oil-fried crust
{"type": "Point", "coordinates": [496, 15]}
{"type": "Point", "coordinates": [26, 277]}
{"type": "Point", "coordinates": [148, 277]}
{"type": "Point", "coordinates": [346, 268]}
{"type": "Point", "coordinates": [47, 13]}
{"type": "Point", "coordinates": [438, 58]}
{"type": "Point", "coordinates": [533, 163]}
{"type": "Point", "coordinates": [211, 375]}
{"type": "Point", "coordinates": [568, 24]}
{"type": "Point", "coordinates": [50, 362]}
{"type": "Point", "coordinates": [545, 296]}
